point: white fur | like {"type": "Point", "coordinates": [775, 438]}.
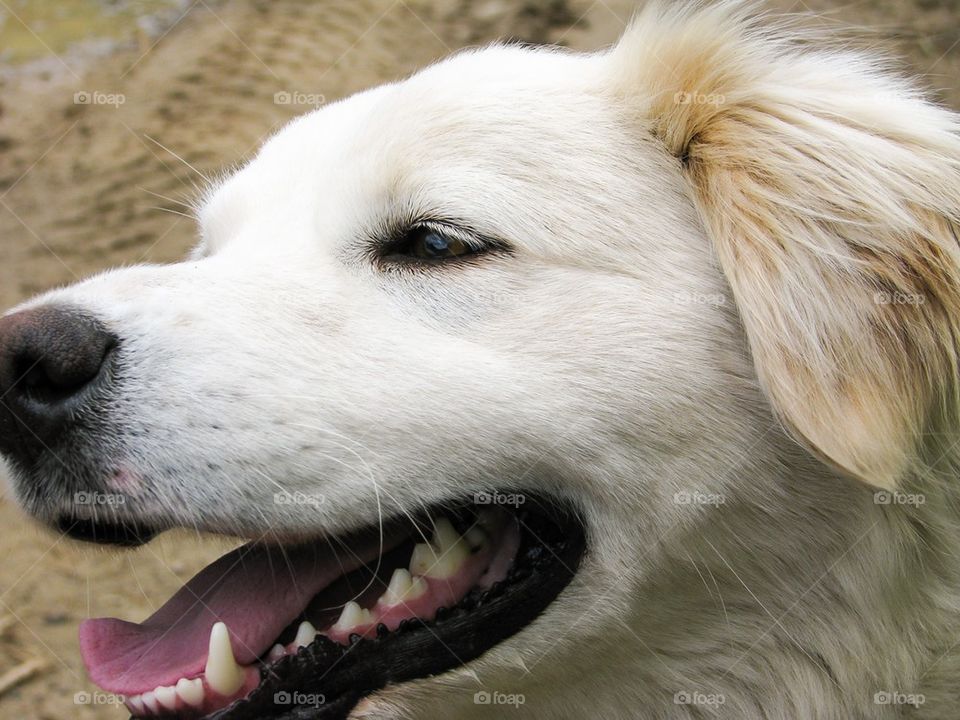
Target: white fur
{"type": "Point", "coordinates": [604, 361]}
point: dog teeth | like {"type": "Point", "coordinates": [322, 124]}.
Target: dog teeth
{"type": "Point", "coordinates": [422, 559]}
{"type": "Point", "coordinates": [166, 696]}
{"type": "Point", "coordinates": [223, 674]}
{"type": "Point", "coordinates": [305, 635]}
{"type": "Point", "coordinates": [191, 691]}
{"type": "Point", "coordinates": [444, 555]}
{"type": "Point", "coordinates": [403, 586]}
{"type": "Point", "coordinates": [352, 616]}
{"type": "Point", "coordinates": [150, 702]}
{"type": "Point", "coordinates": [444, 534]}
{"type": "Point", "coordinates": [135, 705]}
{"type": "Point", "coordinates": [441, 558]}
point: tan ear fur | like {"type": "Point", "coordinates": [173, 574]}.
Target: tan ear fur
{"type": "Point", "coordinates": [831, 191]}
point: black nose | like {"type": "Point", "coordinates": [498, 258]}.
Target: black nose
{"type": "Point", "coordinates": [49, 358]}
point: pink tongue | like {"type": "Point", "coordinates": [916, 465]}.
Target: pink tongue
{"type": "Point", "coordinates": [257, 590]}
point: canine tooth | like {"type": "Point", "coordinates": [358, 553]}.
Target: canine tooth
{"type": "Point", "coordinates": [403, 587]}
{"type": "Point", "coordinates": [448, 564]}
{"type": "Point", "coordinates": [276, 652]}
{"type": "Point", "coordinates": [223, 674]}
{"type": "Point", "coordinates": [190, 691]}
{"type": "Point", "coordinates": [444, 535]}
{"type": "Point", "coordinates": [352, 616]}
{"type": "Point", "coordinates": [447, 540]}
{"type": "Point", "coordinates": [422, 559]}
{"type": "Point", "coordinates": [150, 702]}
{"type": "Point", "coordinates": [305, 635]}
{"type": "Point", "coordinates": [166, 696]}
{"type": "Point", "coordinates": [443, 556]}
{"type": "Point", "coordinates": [398, 587]}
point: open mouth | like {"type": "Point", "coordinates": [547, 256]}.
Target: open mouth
{"type": "Point", "coordinates": [307, 631]}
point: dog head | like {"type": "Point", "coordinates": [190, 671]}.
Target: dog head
{"type": "Point", "coordinates": [591, 280]}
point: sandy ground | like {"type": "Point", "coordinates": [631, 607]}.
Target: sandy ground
{"type": "Point", "coordinates": [88, 186]}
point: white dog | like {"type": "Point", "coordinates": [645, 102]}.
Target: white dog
{"type": "Point", "coordinates": [661, 342]}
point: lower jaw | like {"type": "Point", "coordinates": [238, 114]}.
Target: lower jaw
{"type": "Point", "coordinates": [323, 675]}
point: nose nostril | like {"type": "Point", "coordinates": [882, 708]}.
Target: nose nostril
{"type": "Point", "coordinates": [41, 380]}
{"type": "Point", "coordinates": [49, 358]}
{"type": "Point", "coordinates": [31, 373]}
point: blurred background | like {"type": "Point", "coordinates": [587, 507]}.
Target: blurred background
{"type": "Point", "coordinates": [110, 112]}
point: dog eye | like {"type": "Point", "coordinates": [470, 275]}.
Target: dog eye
{"type": "Point", "coordinates": [433, 243]}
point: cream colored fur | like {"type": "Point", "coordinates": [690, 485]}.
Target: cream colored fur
{"type": "Point", "coordinates": [728, 235]}
{"type": "Point", "coordinates": [831, 191]}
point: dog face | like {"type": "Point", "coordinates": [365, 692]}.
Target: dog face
{"type": "Point", "coordinates": [536, 273]}
{"type": "Point", "coordinates": [315, 347]}
{"type": "Point", "coordinates": [311, 345]}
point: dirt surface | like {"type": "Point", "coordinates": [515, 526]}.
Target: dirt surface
{"type": "Point", "coordinates": [90, 185]}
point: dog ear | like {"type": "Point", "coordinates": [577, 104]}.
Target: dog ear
{"type": "Point", "coordinates": [831, 191]}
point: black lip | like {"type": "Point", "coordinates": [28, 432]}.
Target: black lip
{"type": "Point", "coordinates": [125, 534]}
{"type": "Point", "coordinates": [553, 542]}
